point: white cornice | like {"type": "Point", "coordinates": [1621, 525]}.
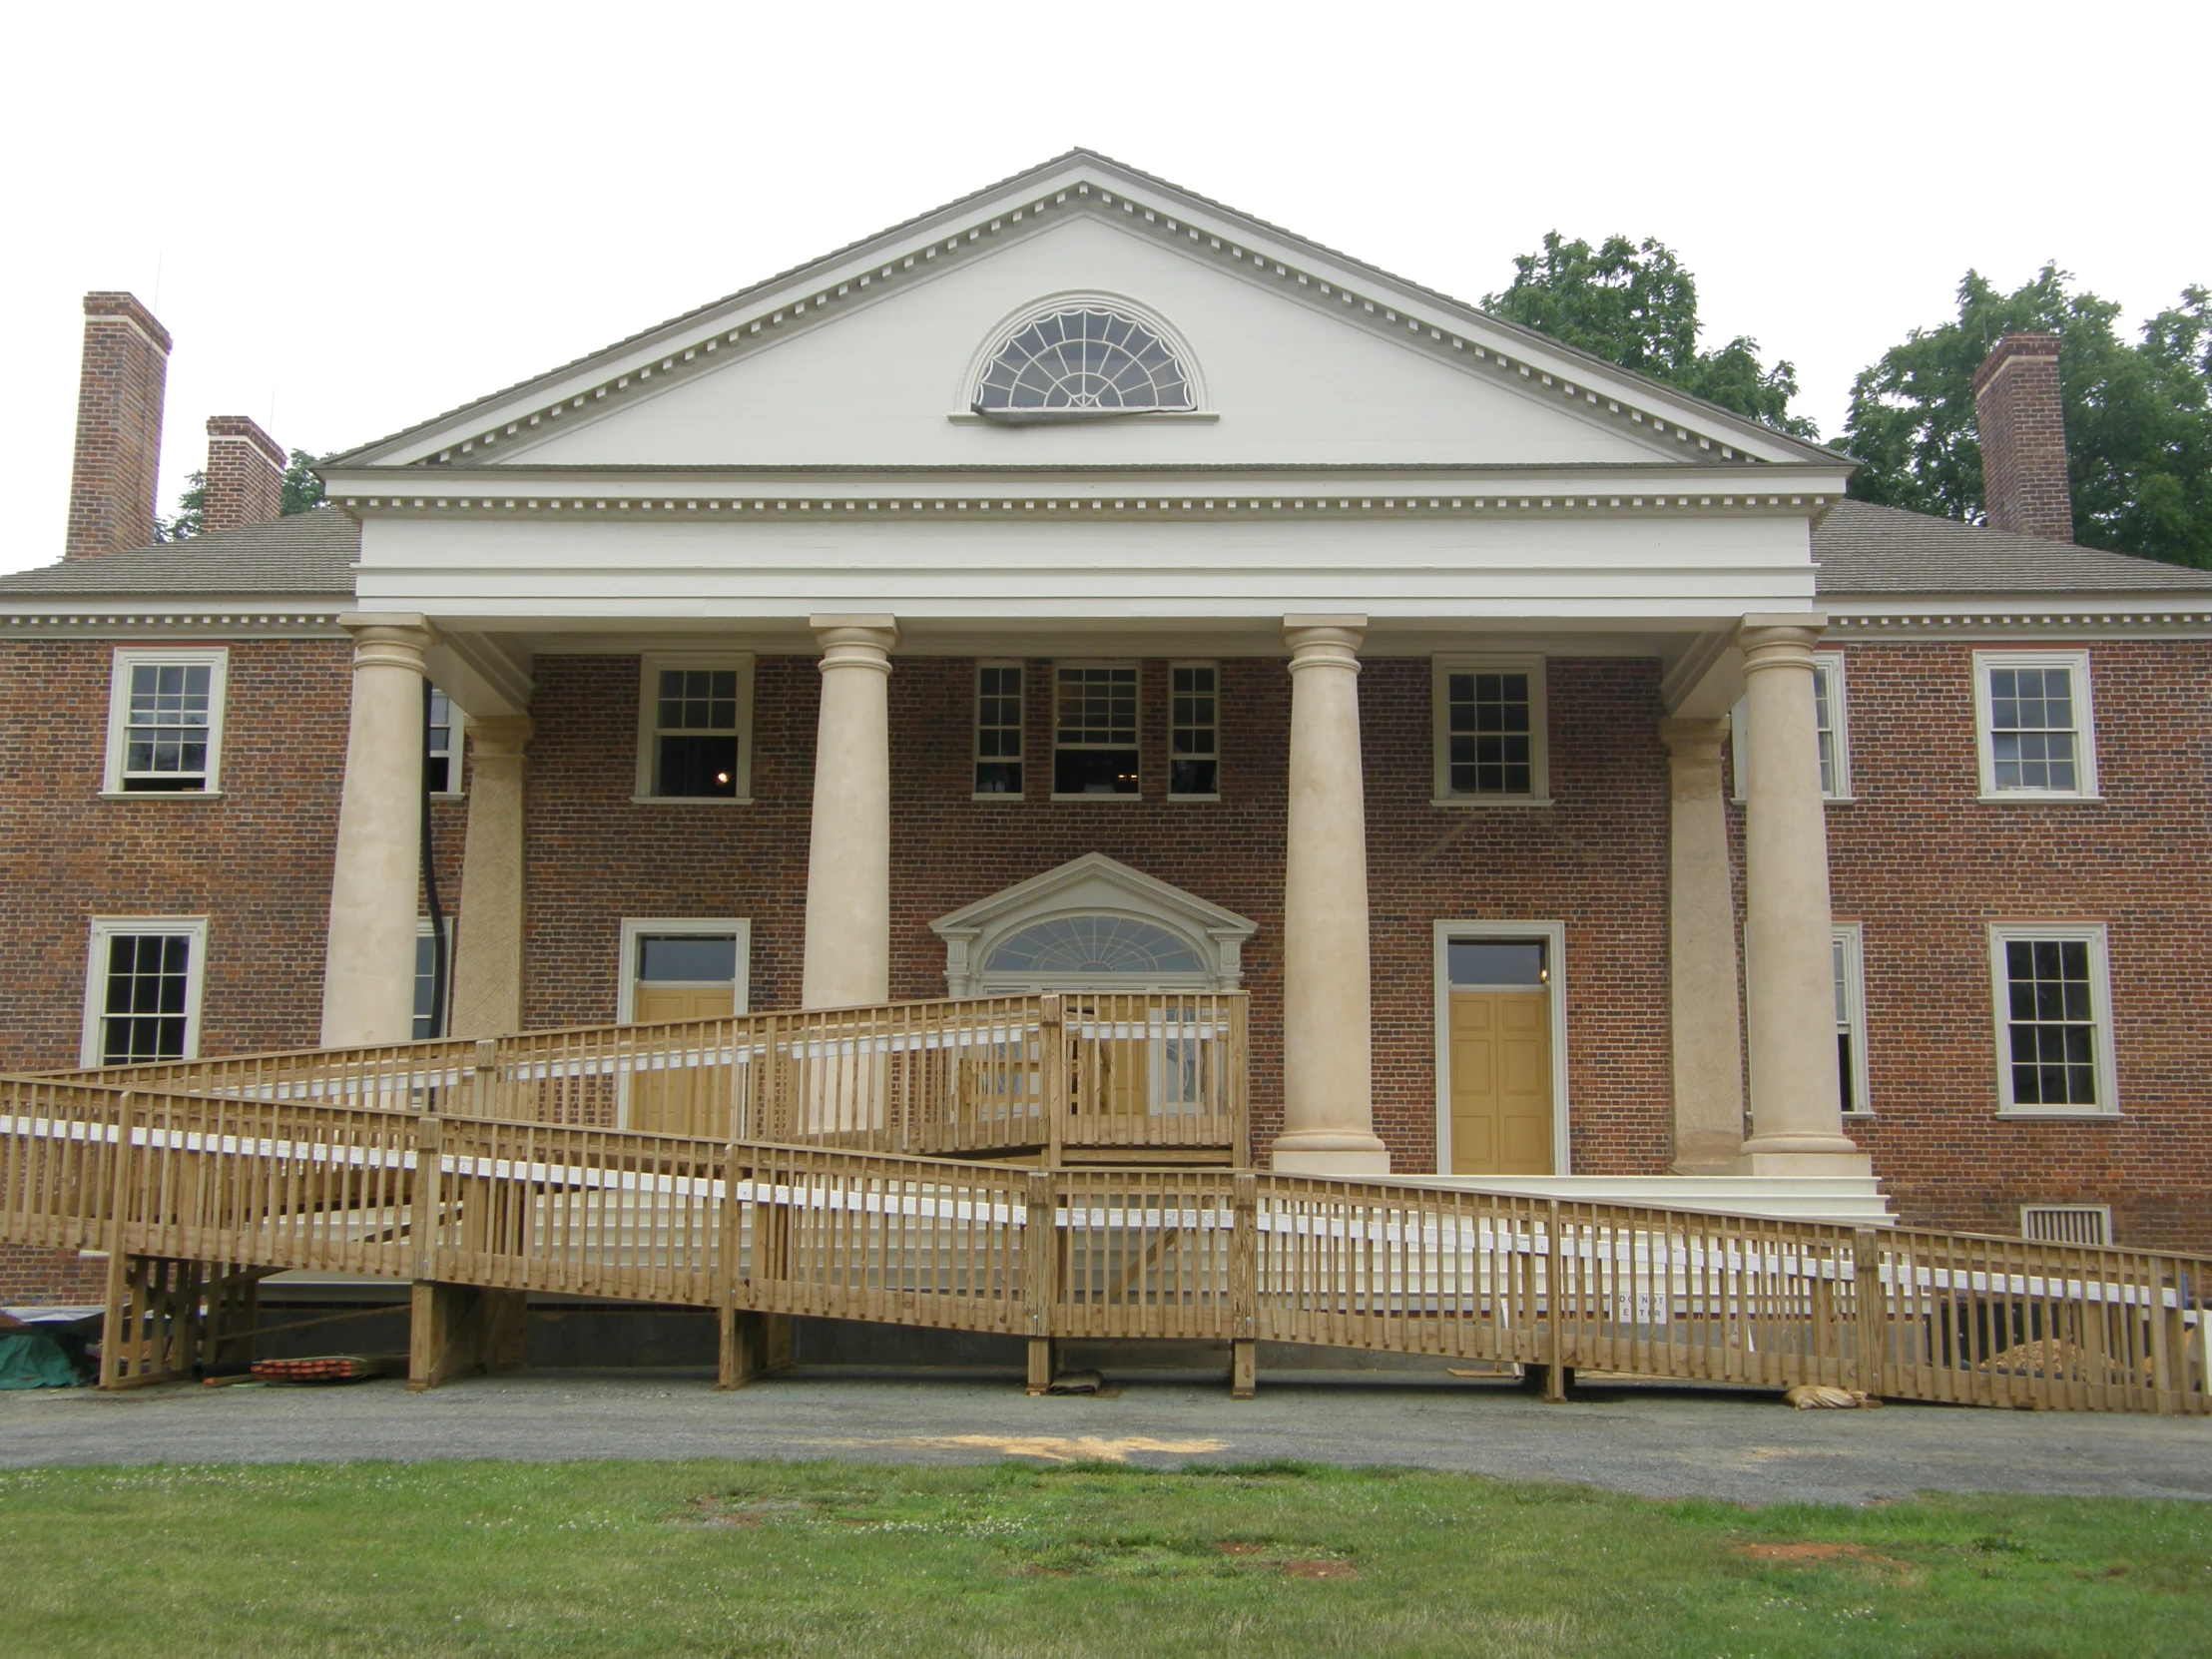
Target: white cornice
{"type": "Point", "coordinates": [1423, 321]}
{"type": "Point", "coordinates": [975, 496]}
{"type": "Point", "coordinates": [188, 614]}
{"type": "Point", "coordinates": [2071, 616]}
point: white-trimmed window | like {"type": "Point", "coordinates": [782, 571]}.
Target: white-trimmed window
{"type": "Point", "coordinates": [1848, 947]}
{"type": "Point", "coordinates": [426, 984]}
{"type": "Point", "coordinates": [2033, 726]}
{"type": "Point", "coordinates": [1194, 732]}
{"type": "Point", "coordinates": [1094, 730]}
{"type": "Point", "coordinates": [164, 721]}
{"type": "Point", "coordinates": [2053, 997]}
{"type": "Point", "coordinates": [142, 978]}
{"type": "Point", "coordinates": [1000, 704]}
{"type": "Point", "coordinates": [1490, 720]}
{"type": "Point", "coordinates": [441, 750]}
{"type": "Point", "coordinates": [1831, 725]}
{"type": "Point", "coordinates": [695, 727]}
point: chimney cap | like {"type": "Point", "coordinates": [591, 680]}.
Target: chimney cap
{"type": "Point", "coordinates": [115, 306]}
{"type": "Point", "coordinates": [2009, 347]}
{"type": "Point", "coordinates": [245, 428]}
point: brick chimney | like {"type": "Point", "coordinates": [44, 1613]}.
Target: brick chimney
{"type": "Point", "coordinates": [245, 475]}
{"type": "Point", "coordinates": [2024, 438]}
{"type": "Point", "coordinates": [119, 427]}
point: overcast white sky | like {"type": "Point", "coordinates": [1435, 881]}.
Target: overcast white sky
{"type": "Point", "coordinates": [354, 217]}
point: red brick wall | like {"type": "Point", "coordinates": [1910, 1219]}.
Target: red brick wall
{"type": "Point", "coordinates": [120, 388]}
{"type": "Point", "coordinates": [1596, 861]}
{"type": "Point", "coordinates": [1925, 867]}
{"type": "Point", "coordinates": [50, 1277]}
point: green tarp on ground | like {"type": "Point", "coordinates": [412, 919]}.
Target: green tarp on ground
{"type": "Point", "coordinates": [33, 1360]}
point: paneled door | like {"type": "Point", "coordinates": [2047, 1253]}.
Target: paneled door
{"type": "Point", "coordinates": [1501, 1082]}
{"type": "Point", "coordinates": [682, 978]}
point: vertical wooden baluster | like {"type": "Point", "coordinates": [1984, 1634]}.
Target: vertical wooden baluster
{"type": "Point", "coordinates": [118, 1308]}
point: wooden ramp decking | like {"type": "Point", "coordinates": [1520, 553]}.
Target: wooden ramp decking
{"type": "Point", "coordinates": [442, 1166]}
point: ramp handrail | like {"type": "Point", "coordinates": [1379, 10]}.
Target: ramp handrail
{"type": "Point", "coordinates": [231, 1186]}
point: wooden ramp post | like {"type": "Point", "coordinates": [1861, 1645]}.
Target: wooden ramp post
{"type": "Point", "coordinates": [1040, 1257]}
{"type": "Point", "coordinates": [459, 1330]}
{"type": "Point", "coordinates": [1244, 1288]}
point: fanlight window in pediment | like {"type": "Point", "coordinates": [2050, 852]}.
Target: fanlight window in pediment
{"type": "Point", "coordinates": [1092, 946]}
{"type": "Point", "coordinates": [1084, 359]}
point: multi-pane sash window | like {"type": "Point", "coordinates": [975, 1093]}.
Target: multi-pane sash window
{"type": "Point", "coordinates": [2054, 1028]}
{"type": "Point", "coordinates": [694, 722]}
{"type": "Point", "coordinates": [165, 721]}
{"type": "Point", "coordinates": [1194, 733]}
{"type": "Point", "coordinates": [1851, 1019]}
{"type": "Point", "coordinates": [142, 993]}
{"type": "Point", "coordinates": [998, 720]}
{"type": "Point", "coordinates": [1830, 727]}
{"type": "Point", "coordinates": [2037, 736]}
{"type": "Point", "coordinates": [1094, 749]}
{"type": "Point", "coordinates": [1489, 730]}
{"type": "Point", "coordinates": [440, 771]}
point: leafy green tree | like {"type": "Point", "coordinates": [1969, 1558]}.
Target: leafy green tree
{"type": "Point", "coordinates": [1634, 305]}
{"type": "Point", "coordinates": [303, 493]}
{"type": "Point", "coordinates": [192, 506]}
{"type": "Point", "coordinates": [2138, 416]}
{"type": "Point", "coordinates": [303, 489]}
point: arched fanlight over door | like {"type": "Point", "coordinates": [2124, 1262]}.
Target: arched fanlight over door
{"type": "Point", "coordinates": [1086, 359]}
{"type": "Point", "coordinates": [1106, 948]}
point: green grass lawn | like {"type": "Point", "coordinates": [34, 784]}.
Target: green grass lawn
{"type": "Point", "coordinates": [1019, 1559]}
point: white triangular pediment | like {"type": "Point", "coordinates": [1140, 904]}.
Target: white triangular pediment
{"type": "Point", "coordinates": [1171, 937]}
{"type": "Point", "coordinates": [865, 359]}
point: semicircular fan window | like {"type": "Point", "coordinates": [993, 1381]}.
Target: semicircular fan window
{"type": "Point", "coordinates": [1092, 946]}
{"type": "Point", "coordinates": [1084, 360]}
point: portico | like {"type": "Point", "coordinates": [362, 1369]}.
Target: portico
{"type": "Point", "coordinates": [1452, 618]}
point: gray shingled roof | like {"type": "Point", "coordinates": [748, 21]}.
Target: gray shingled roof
{"type": "Point", "coordinates": [1867, 550]}
{"type": "Point", "coordinates": [1862, 550]}
{"type": "Point", "coordinates": [307, 553]}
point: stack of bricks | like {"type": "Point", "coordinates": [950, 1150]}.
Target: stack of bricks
{"type": "Point", "coordinates": [113, 492]}
{"type": "Point", "coordinates": [245, 475]}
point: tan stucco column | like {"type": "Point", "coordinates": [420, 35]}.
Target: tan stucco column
{"type": "Point", "coordinates": [848, 858]}
{"type": "Point", "coordinates": [1701, 956]}
{"type": "Point", "coordinates": [1328, 1079]}
{"type": "Point", "coordinates": [487, 965]}
{"type": "Point", "coordinates": [1790, 977]}
{"type": "Point", "coordinates": [368, 967]}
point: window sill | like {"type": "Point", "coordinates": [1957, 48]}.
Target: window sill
{"type": "Point", "coordinates": [1491, 800]}
{"type": "Point", "coordinates": [1098, 799]}
{"type": "Point", "coordinates": [2043, 1114]}
{"type": "Point", "coordinates": [1006, 795]}
{"type": "Point", "coordinates": [161, 795]}
{"type": "Point", "coordinates": [691, 801]}
{"type": "Point", "coordinates": [2038, 797]}
{"type": "Point", "coordinates": [1195, 800]}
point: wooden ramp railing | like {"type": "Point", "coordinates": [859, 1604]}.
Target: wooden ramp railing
{"type": "Point", "coordinates": [1161, 1074]}
{"type": "Point", "coordinates": [195, 1195]}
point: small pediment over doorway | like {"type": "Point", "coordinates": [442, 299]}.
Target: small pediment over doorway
{"type": "Point", "coordinates": [1093, 923]}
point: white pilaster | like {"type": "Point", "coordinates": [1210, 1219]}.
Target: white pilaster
{"type": "Point", "coordinates": [1789, 987]}
{"type": "Point", "coordinates": [1701, 956]}
{"type": "Point", "coordinates": [1328, 1074]}
{"type": "Point", "coordinates": [487, 968]}
{"type": "Point", "coordinates": [849, 860]}
{"type": "Point", "coordinates": [369, 965]}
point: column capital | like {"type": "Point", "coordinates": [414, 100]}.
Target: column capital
{"type": "Point", "coordinates": [1325, 641]}
{"type": "Point", "coordinates": [1694, 742]}
{"type": "Point", "coordinates": [855, 641]}
{"type": "Point", "coordinates": [498, 737]}
{"type": "Point", "coordinates": [389, 639]}
{"type": "Point", "coordinates": [1783, 641]}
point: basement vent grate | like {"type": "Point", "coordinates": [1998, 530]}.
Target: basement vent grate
{"type": "Point", "coordinates": [2073, 1224]}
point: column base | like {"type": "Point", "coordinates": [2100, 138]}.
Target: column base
{"type": "Point", "coordinates": [1852, 1163]}
{"type": "Point", "coordinates": [1706, 1152]}
{"type": "Point", "coordinates": [1329, 1152]}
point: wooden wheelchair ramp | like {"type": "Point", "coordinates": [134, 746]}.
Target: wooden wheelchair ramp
{"type": "Point", "coordinates": [196, 1197]}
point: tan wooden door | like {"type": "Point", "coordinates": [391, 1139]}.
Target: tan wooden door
{"type": "Point", "coordinates": [692, 1100]}
{"type": "Point", "coordinates": [1501, 1082]}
